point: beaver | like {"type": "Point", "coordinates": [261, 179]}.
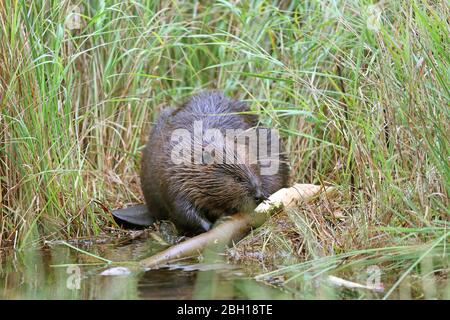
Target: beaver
{"type": "Point", "coordinates": [195, 194]}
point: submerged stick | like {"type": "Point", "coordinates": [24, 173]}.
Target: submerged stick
{"type": "Point", "coordinates": [233, 229]}
{"type": "Point", "coordinates": [237, 226]}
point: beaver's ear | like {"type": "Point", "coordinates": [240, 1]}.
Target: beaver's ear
{"type": "Point", "coordinates": [240, 106]}
{"type": "Point", "coordinates": [251, 119]}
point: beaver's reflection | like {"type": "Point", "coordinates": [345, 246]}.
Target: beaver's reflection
{"type": "Point", "coordinates": [167, 284]}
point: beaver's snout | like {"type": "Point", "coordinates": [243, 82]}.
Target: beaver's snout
{"type": "Point", "coordinates": [259, 196]}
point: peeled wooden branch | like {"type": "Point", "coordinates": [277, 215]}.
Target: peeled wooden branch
{"type": "Point", "coordinates": [233, 229]}
{"type": "Point", "coordinates": [237, 226]}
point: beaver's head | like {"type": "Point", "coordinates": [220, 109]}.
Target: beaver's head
{"type": "Point", "coordinates": [223, 183]}
{"type": "Point", "coordinates": [221, 177]}
{"type": "Point", "coordinates": [219, 189]}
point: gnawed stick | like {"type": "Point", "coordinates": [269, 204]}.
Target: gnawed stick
{"type": "Point", "coordinates": [237, 226]}
{"type": "Point", "coordinates": [233, 229]}
{"type": "Point", "coordinates": [339, 282]}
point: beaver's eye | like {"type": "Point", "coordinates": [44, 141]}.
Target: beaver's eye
{"type": "Point", "coordinates": [238, 179]}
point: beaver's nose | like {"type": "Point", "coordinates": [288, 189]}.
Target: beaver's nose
{"type": "Point", "coordinates": [259, 197]}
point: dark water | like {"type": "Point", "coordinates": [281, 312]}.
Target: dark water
{"type": "Point", "coordinates": [61, 272]}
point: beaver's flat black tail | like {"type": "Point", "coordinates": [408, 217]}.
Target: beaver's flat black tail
{"type": "Point", "coordinates": [133, 217]}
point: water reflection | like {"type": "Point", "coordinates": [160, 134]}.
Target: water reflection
{"type": "Point", "coordinates": [60, 272]}
{"type": "Point", "coordinates": [167, 284]}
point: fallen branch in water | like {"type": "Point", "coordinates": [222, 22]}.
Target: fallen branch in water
{"type": "Point", "coordinates": [233, 229]}
{"type": "Point", "coordinates": [237, 226]}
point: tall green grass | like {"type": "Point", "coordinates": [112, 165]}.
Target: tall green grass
{"type": "Point", "coordinates": [361, 105]}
